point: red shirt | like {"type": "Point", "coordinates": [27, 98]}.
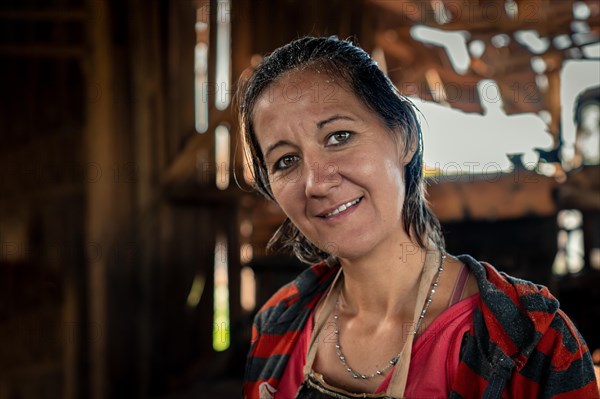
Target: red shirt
{"type": "Point", "coordinates": [434, 358]}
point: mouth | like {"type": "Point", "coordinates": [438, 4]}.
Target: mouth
{"type": "Point", "coordinates": [341, 208]}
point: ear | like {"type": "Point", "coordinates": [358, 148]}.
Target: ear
{"type": "Point", "coordinates": [407, 153]}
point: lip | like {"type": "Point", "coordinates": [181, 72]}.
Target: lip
{"type": "Point", "coordinates": [323, 214]}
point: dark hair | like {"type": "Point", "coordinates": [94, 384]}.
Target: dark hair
{"type": "Point", "coordinates": [360, 73]}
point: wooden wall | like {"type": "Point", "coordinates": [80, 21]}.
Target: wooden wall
{"type": "Point", "coordinates": [43, 175]}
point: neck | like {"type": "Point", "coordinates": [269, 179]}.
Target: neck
{"type": "Point", "coordinates": [384, 284]}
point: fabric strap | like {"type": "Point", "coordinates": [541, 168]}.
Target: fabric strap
{"type": "Point", "coordinates": [400, 371]}
{"type": "Point", "coordinates": [328, 305]}
{"type": "Point", "coordinates": [459, 286]}
{"type": "Point", "coordinates": [398, 381]}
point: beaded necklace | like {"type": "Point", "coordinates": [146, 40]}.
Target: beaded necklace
{"type": "Point", "coordinates": [394, 360]}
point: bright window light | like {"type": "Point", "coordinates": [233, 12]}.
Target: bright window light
{"type": "Point", "coordinates": [223, 61]}
{"type": "Point", "coordinates": [511, 8]}
{"type": "Point", "coordinates": [221, 336]}
{"type": "Point", "coordinates": [201, 68]}
{"type": "Point", "coordinates": [453, 42]}
{"type": "Point", "coordinates": [248, 289]}
{"type": "Point", "coordinates": [222, 157]}
{"type": "Point", "coordinates": [575, 77]}
{"type": "Point", "coordinates": [201, 87]}
{"type": "Point", "coordinates": [460, 143]}
{"type": "Point", "coordinates": [581, 10]}
{"type": "Point", "coordinates": [532, 40]}
{"type": "Point", "coordinates": [196, 291]}
{"type": "Point", "coordinates": [480, 143]}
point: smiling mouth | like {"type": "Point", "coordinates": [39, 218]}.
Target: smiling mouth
{"type": "Point", "coordinates": [342, 208]}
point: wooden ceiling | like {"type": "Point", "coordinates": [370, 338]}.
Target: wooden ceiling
{"type": "Point", "coordinates": [564, 28]}
{"type": "Point", "coordinates": [421, 69]}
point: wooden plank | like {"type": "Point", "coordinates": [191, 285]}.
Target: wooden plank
{"type": "Point", "coordinates": [41, 50]}
{"type": "Point", "coordinates": [41, 15]}
{"type": "Point", "coordinates": [108, 205]}
{"type": "Point", "coordinates": [493, 196]}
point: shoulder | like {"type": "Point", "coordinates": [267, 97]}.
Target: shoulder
{"type": "Point", "coordinates": [295, 296]}
{"type": "Point", "coordinates": [519, 327]}
{"type": "Point", "coordinates": [512, 314]}
{"type": "Point", "coordinates": [278, 325]}
{"type": "Point", "coordinates": [498, 288]}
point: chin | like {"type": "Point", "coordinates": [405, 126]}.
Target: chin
{"type": "Point", "coordinates": [351, 252]}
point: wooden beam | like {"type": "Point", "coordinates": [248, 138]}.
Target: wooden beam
{"type": "Point", "coordinates": [37, 15]}
{"type": "Point", "coordinates": [477, 17]}
{"type": "Point", "coordinates": [492, 196]}
{"type": "Point", "coordinates": [41, 50]}
{"type": "Point", "coordinates": [107, 203]}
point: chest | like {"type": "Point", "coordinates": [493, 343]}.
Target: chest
{"type": "Point", "coordinates": [344, 352]}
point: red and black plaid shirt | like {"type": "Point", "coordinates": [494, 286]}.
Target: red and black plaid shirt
{"type": "Point", "coordinates": [521, 344]}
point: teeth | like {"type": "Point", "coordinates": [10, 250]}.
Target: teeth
{"type": "Point", "coordinates": [343, 207]}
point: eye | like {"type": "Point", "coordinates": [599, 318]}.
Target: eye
{"type": "Point", "coordinates": [338, 138]}
{"type": "Point", "coordinates": [285, 162]}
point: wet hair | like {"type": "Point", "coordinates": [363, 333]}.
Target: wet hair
{"type": "Point", "coordinates": [359, 73]}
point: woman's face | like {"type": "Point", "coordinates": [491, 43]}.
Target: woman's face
{"type": "Point", "coordinates": [333, 166]}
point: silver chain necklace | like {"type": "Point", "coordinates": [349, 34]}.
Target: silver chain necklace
{"type": "Point", "coordinates": [391, 363]}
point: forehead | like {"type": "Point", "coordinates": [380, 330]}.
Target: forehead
{"type": "Point", "coordinates": [310, 93]}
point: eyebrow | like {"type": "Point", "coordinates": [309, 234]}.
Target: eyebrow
{"type": "Point", "coordinates": [332, 119]}
{"type": "Point", "coordinates": [275, 145]}
{"type": "Point", "coordinates": [319, 125]}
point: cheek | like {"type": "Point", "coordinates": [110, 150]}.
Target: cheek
{"type": "Point", "coordinates": [396, 174]}
{"type": "Point", "coordinates": [377, 172]}
{"type": "Point", "coordinates": [397, 188]}
{"type": "Point", "coordinates": [288, 193]}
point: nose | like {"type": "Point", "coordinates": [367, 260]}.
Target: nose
{"type": "Point", "coordinates": [322, 177]}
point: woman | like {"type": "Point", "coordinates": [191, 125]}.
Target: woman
{"type": "Point", "coordinates": [384, 311]}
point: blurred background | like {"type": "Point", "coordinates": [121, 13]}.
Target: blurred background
{"type": "Point", "coordinates": [132, 249]}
